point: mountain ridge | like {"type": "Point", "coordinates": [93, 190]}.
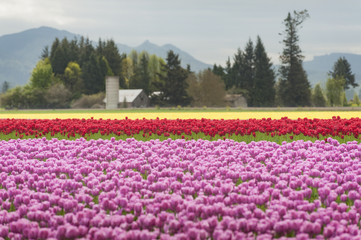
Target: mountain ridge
{"type": "Point", "coordinates": [19, 53]}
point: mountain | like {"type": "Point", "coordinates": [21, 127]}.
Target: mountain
{"type": "Point", "coordinates": [19, 52]}
{"type": "Point", "coordinates": [317, 69]}
{"type": "Point", "coordinates": [319, 66]}
{"type": "Point", "coordinates": [161, 51]}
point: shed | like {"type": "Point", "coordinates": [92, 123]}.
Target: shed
{"type": "Point", "coordinates": [133, 98]}
{"type": "Point", "coordinates": [236, 100]}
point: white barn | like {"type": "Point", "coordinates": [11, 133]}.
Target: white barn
{"type": "Point", "coordinates": [133, 98]}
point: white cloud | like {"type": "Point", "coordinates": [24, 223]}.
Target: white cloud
{"type": "Point", "coordinates": [39, 12]}
{"type": "Point", "coordinates": [211, 30]}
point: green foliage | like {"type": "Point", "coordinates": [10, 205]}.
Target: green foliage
{"type": "Point", "coordinates": [109, 50]}
{"type": "Point", "coordinates": [173, 84]}
{"type": "Point", "coordinates": [251, 74]}
{"type": "Point", "coordinates": [94, 77]}
{"type": "Point", "coordinates": [5, 87]}
{"type": "Point", "coordinates": [89, 101]}
{"type": "Point", "coordinates": [42, 74]}
{"type": "Point", "coordinates": [23, 98]}
{"type": "Point", "coordinates": [356, 99]}
{"type": "Point", "coordinates": [127, 72]}
{"type": "Point", "coordinates": [58, 96]}
{"type": "Point", "coordinates": [248, 67]}
{"type": "Point", "coordinates": [334, 91]}
{"type": "Point", "coordinates": [344, 99]}
{"type": "Point", "coordinates": [72, 79]}
{"type": "Point", "coordinates": [318, 98]}
{"type": "Point", "coordinates": [342, 69]}
{"type": "Point", "coordinates": [294, 88]}
{"type": "Point", "coordinates": [141, 78]}
{"type": "Point", "coordinates": [263, 86]}
{"type": "Point", "coordinates": [206, 89]}
{"type": "Point", "coordinates": [154, 66]}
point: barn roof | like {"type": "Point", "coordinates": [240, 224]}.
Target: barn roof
{"type": "Point", "coordinates": [129, 94]}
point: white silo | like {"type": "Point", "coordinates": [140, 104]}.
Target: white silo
{"type": "Point", "coordinates": [112, 92]}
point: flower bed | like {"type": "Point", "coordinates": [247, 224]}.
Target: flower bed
{"type": "Point", "coordinates": [239, 130]}
{"type": "Point", "coordinates": [177, 189]}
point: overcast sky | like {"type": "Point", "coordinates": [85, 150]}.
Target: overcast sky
{"type": "Point", "coordinates": [210, 30]}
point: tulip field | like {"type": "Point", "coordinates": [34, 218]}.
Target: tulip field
{"type": "Point", "coordinates": [265, 178]}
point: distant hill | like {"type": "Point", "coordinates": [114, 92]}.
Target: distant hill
{"type": "Point", "coordinates": [19, 52]}
{"type": "Point", "coordinates": [318, 68]}
{"type": "Point", "coordinates": [162, 51]}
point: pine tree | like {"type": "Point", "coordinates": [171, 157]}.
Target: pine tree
{"type": "Point", "coordinates": [141, 78]}
{"type": "Point", "coordinates": [263, 89]}
{"type": "Point", "coordinates": [94, 77]}
{"type": "Point", "coordinates": [294, 85]}
{"type": "Point", "coordinates": [248, 66]}
{"type": "Point", "coordinates": [237, 72]}
{"type": "Point", "coordinates": [5, 87]}
{"type": "Point", "coordinates": [342, 69]}
{"type": "Point", "coordinates": [110, 51]}
{"type": "Point", "coordinates": [174, 82]}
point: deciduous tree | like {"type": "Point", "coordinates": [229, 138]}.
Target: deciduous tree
{"type": "Point", "coordinates": [42, 74]}
{"type": "Point", "coordinates": [318, 98]}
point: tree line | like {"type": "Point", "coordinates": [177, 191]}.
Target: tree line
{"type": "Point", "coordinates": [72, 73]}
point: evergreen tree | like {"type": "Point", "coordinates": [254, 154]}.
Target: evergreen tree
{"type": "Point", "coordinates": [141, 78]}
{"type": "Point", "coordinates": [94, 77]}
{"type": "Point", "coordinates": [318, 98]}
{"type": "Point", "coordinates": [58, 57]}
{"type": "Point", "coordinates": [229, 78]}
{"type": "Point", "coordinates": [248, 66]}
{"type": "Point", "coordinates": [174, 83]}
{"type": "Point", "coordinates": [5, 87]}
{"type": "Point", "coordinates": [294, 85]}
{"type": "Point", "coordinates": [237, 73]}
{"type": "Point", "coordinates": [45, 53]}
{"type": "Point", "coordinates": [263, 89]}
{"type": "Point", "coordinates": [110, 51]}
{"type": "Point", "coordinates": [342, 69]}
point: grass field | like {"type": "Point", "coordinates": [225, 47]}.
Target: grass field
{"type": "Point", "coordinates": [184, 113]}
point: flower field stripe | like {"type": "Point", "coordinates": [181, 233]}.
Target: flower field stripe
{"type": "Point", "coordinates": [187, 115]}
{"type": "Point", "coordinates": [277, 130]}
{"type": "Point", "coordinates": [177, 189]}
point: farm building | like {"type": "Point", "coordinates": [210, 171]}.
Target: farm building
{"type": "Point", "coordinates": [236, 100]}
{"type": "Point", "coordinates": [132, 98]}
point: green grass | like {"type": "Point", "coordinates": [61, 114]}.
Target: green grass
{"type": "Point", "coordinates": [176, 109]}
{"type": "Point", "coordinates": [247, 138]}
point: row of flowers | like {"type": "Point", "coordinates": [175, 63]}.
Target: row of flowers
{"type": "Point", "coordinates": [189, 128]}
{"type": "Point", "coordinates": [177, 189]}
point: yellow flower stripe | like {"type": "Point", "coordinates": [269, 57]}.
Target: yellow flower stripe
{"type": "Point", "coordinates": [188, 115]}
